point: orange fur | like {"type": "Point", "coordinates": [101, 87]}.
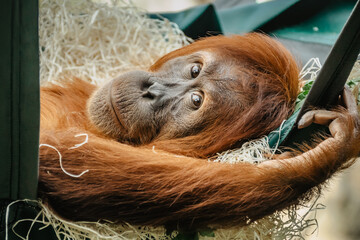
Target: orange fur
{"type": "Point", "coordinates": [271, 76]}
{"type": "Point", "coordinates": [142, 186]}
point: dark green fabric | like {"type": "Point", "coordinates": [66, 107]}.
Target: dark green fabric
{"type": "Point", "coordinates": [307, 28]}
{"type": "Point", "coordinates": [318, 29]}
{"type": "Point", "coordinates": [242, 19]}
{"type": "Point", "coordinates": [336, 69]}
{"type": "Point", "coordinates": [5, 99]}
{"type": "Point", "coordinates": [195, 22]}
{"type": "Point", "coordinates": [19, 96]}
{"type": "Point", "coordinates": [204, 20]}
{"type": "Point", "coordinates": [276, 137]}
{"type": "Point", "coordinates": [19, 110]}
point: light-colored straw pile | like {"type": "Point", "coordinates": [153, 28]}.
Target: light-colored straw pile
{"type": "Point", "coordinates": [97, 41]}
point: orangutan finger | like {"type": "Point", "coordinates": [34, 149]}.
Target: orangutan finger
{"type": "Point", "coordinates": [349, 100]}
{"type": "Point", "coordinates": [337, 128]}
{"type": "Point", "coordinates": [322, 117]}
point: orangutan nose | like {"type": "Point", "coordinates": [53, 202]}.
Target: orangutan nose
{"type": "Point", "coordinates": [155, 91]}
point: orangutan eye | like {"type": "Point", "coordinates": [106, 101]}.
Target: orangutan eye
{"type": "Point", "coordinates": [195, 70]}
{"type": "Point", "coordinates": [196, 99]}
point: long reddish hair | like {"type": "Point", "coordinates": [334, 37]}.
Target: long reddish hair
{"type": "Point", "coordinates": [269, 93]}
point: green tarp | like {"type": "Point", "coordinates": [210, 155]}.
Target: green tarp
{"type": "Point", "coordinates": [19, 108]}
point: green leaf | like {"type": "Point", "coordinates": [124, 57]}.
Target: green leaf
{"type": "Point", "coordinates": [207, 232]}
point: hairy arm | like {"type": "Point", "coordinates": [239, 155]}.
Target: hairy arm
{"type": "Point", "coordinates": [145, 186]}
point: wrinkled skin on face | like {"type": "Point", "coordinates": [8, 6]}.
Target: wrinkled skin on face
{"type": "Point", "coordinates": [178, 100]}
{"type": "Point", "coordinates": [200, 88]}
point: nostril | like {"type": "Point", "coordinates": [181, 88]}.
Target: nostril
{"type": "Point", "coordinates": [148, 95]}
{"type": "Point", "coordinates": [146, 89]}
{"type": "Point", "coordinates": [145, 85]}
